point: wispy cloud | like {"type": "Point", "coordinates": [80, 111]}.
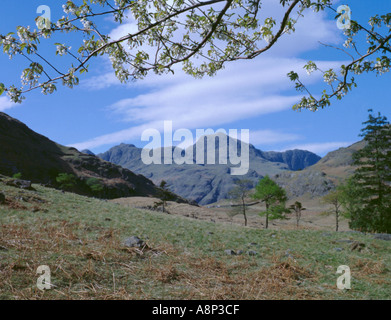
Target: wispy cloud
{"type": "Point", "coordinates": [269, 137]}
{"type": "Point", "coordinates": [244, 90]}
{"type": "Point", "coordinates": [320, 148]}
{"type": "Point", "coordinates": [6, 103]}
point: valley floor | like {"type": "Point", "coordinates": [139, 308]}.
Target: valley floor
{"type": "Point", "coordinates": [315, 217]}
{"type": "Point", "coordinates": [82, 241]}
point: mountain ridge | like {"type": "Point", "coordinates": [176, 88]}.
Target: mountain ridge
{"type": "Point", "coordinates": [317, 180]}
{"type": "Point", "coordinates": [208, 183]}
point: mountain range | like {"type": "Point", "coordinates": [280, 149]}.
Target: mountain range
{"type": "Point", "coordinates": [122, 173]}
{"type": "Point", "coordinates": [209, 183]}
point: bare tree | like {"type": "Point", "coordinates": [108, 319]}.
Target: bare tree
{"type": "Point", "coordinates": [335, 198]}
{"type": "Point", "coordinates": [165, 195]}
{"type": "Point", "coordinates": [297, 208]}
{"type": "Point", "coordinates": [240, 194]}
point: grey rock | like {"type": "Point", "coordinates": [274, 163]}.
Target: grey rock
{"type": "Point", "coordinates": [345, 241]}
{"type": "Point", "coordinates": [338, 249]}
{"type": "Point", "coordinates": [239, 252]}
{"type": "Point", "coordinates": [252, 244]}
{"type": "Point", "coordinates": [22, 184]}
{"type": "Point", "coordinates": [288, 254]}
{"type": "Point", "coordinates": [382, 236]}
{"type": "Point", "coordinates": [230, 252]}
{"type": "Point", "coordinates": [252, 253]}
{"type": "Point", "coordinates": [134, 242]}
{"type": "Point", "coordinates": [353, 232]}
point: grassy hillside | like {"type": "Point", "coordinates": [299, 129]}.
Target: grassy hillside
{"type": "Point", "coordinates": [81, 240]}
{"type": "Point", "coordinates": [41, 160]}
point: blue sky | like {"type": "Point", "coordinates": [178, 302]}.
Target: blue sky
{"type": "Point", "coordinates": [255, 95]}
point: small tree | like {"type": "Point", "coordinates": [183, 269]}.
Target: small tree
{"type": "Point", "coordinates": [274, 198]}
{"type": "Point", "coordinates": [336, 199]}
{"type": "Point", "coordinates": [297, 208]}
{"type": "Point", "coordinates": [17, 175]}
{"type": "Point", "coordinates": [66, 181]}
{"type": "Point", "coordinates": [95, 185]}
{"type": "Point", "coordinates": [165, 195]}
{"type": "Point", "coordinates": [239, 194]}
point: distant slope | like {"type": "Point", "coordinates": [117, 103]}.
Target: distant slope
{"type": "Point", "coordinates": [201, 183]}
{"type": "Point", "coordinates": [294, 159]}
{"type": "Point", "coordinates": [325, 175]}
{"type": "Point", "coordinates": [338, 164]}
{"type": "Point", "coordinates": [41, 160]}
{"type": "Point", "coordinates": [207, 184]}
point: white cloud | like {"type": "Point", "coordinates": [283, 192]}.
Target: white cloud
{"type": "Point", "coordinates": [6, 103]}
{"type": "Point", "coordinates": [242, 91]}
{"type": "Point", "coordinates": [321, 148]}
{"type": "Point", "coordinates": [268, 137]}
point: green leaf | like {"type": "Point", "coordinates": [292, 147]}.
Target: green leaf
{"type": "Point", "coordinates": [2, 88]}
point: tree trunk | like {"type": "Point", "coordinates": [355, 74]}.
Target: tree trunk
{"type": "Point", "coordinates": [336, 220]}
{"type": "Point", "coordinates": [267, 216]}
{"type": "Point", "coordinates": [244, 213]}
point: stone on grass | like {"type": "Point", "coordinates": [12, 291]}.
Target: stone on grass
{"type": "Point", "coordinates": [382, 236]}
{"type": "Point", "coordinates": [134, 242]}
{"type": "Point", "coordinates": [345, 241]}
{"type": "Point", "coordinates": [252, 253]}
{"type": "Point", "coordinates": [22, 184]}
{"type": "Point", "coordinates": [230, 252]}
{"type": "Point", "coordinates": [288, 254]}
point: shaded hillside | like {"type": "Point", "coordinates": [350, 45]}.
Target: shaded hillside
{"type": "Point", "coordinates": [207, 183]}
{"type": "Point", "coordinates": [295, 159]}
{"type": "Point", "coordinates": [319, 179]}
{"type": "Point", "coordinates": [41, 160]}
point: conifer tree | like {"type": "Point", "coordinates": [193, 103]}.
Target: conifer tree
{"type": "Point", "coordinates": [373, 177]}
{"type": "Point", "coordinates": [274, 198]}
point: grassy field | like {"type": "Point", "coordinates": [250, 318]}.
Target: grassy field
{"type": "Point", "coordinates": [81, 240]}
